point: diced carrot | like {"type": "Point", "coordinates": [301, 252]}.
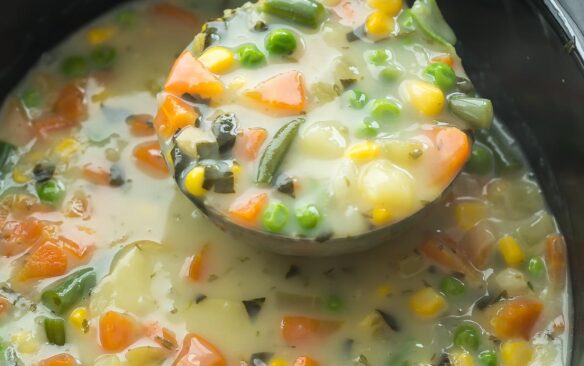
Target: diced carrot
{"type": "Point", "coordinates": [515, 318]}
{"type": "Point", "coordinates": [445, 255]}
{"type": "Point", "coordinates": [305, 361]}
{"type": "Point", "coordinates": [445, 58]}
{"type": "Point", "coordinates": [149, 155]}
{"type": "Point", "coordinates": [197, 351]}
{"type": "Point", "coordinates": [47, 260]}
{"type": "Point", "coordinates": [96, 174]}
{"type": "Point", "coordinates": [173, 12]}
{"type": "Point", "coordinates": [163, 336]}
{"type": "Point", "coordinates": [174, 114]}
{"type": "Point", "coordinates": [140, 125]}
{"type": "Point", "coordinates": [283, 94]}
{"type": "Point", "coordinates": [555, 255]}
{"type": "Point", "coordinates": [249, 210]}
{"type": "Point", "coordinates": [45, 125]}
{"type": "Point", "coordinates": [5, 306]}
{"type": "Point", "coordinates": [70, 104]}
{"type": "Point", "coordinates": [301, 329]}
{"type": "Point", "coordinates": [78, 251]}
{"type": "Point", "coordinates": [197, 264]}
{"type": "Point", "coordinates": [59, 360]}
{"type": "Point", "coordinates": [117, 331]}
{"type": "Point", "coordinates": [188, 75]}
{"type": "Point", "coordinates": [18, 236]}
{"type": "Point", "coordinates": [451, 150]}
{"type": "Point", "coordinates": [249, 143]}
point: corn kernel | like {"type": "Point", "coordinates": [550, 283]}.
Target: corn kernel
{"type": "Point", "coordinates": [468, 214]}
{"type": "Point", "coordinates": [20, 176]}
{"type": "Point", "coordinates": [516, 353]}
{"type": "Point", "coordinates": [236, 170]}
{"type": "Point", "coordinates": [79, 319]}
{"type": "Point", "coordinates": [278, 362]}
{"type": "Point", "coordinates": [100, 35]}
{"type": "Point", "coordinates": [380, 216]}
{"type": "Point", "coordinates": [390, 7]}
{"type": "Point", "coordinates": [427, 303]}
{"type": "Point", "coordinates": [383, 291]}
{"type": "Point", "coordinates": [379, 24]}
{"type": "Point", "coordinates": [217, 59]}
{"type": "Point", "coordinates": [25, 342]}
{"type": "Point", "coordinates": [426, 98]}
{"type": "Point", "coordinates": [511, 251]}
{"type": "Point", "coordinates": [194, 182]}
{"type": "Point", "coordinates": [363, 151]}
{"type": "Point", "coordinates": [461, 359]}
{"type": "Point", "coordinates": [67, 148]}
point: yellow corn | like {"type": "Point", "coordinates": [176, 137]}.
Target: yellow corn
{"type": "Point", "coordinates": [516, 353]}
{"type": "Point", "coordinates": [461, 359]}
{"type": "Point", "coordinates": [278, 362]}
{"type": "Point", "coordinates": [194, 182]}
{"type": "Point", "coordinates": [426, 98]}
{"type": "Point", "coordinates": [467, 214]}
{"type": "Point", "coordinates": [145, 356]}
{"type": "Point", "coordinates": [79, 319]}
{"type": "Point", "coordinates": [379, 24]}
{"type": "Point", "coordinates": [25, 342]}
{"type": "Point", "coordinates": [390, 7]}
{"type": "Point", "coordinates": [236, 170]}
{"type": "Point", "coordinates": [511, 251]}
{"type": "Point", "coordinates": [427, 303]}
{"type": "Point", "coordinates": [380, 216]}
{"type": "Point", "coordinates": [217, 59]}
{"type": "Point", "coordinates": [20, 176]}
{"type": "Point", "coordinates": [363, 151]}
{"type": "Point", "coordinates": [100, 35]}
{"type": "Point", "coordinates": [383, 291]}
{"type": "Point", "coordinates": [67, 148]}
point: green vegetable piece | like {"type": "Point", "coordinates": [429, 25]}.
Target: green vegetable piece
{"type": "Point", "coordinates": [357, 99]}
{"type": "Point", "coordinates": [384, 110]}
{"type": "Point", "coordinates": [488, 358]}
{"type": "Point", "coordinates": [275, 217]}
{"type": "Point", "coordinates": [452, 286]}
{"type": "Point", "coordinates": [481, 160]}
{"type": "Point", "coordinates": [103, 57]}
{"type": "Point", "coordinates": [55, 331]}
{"type": "Point", "coordinates": [74, 67]}
{"type": "Point", "coordinates": [507, 159]}
{"type": "Point", "coordinates": [536, 266]}
{"type": "Point", "coordinates": [390, 73]}
{"type": "Point", "coordinates": [476, 111]}
{"type": "Point", "coordinates": [428, 18]}
{"type": "Point", "coordinates": [467, 337]}
{"type": "Point", "coordinates": [308, 216]}
{"type": "Point", "coordinates": [406, 22]}
{"type": "Point", "coordinates": [276, 151]}
{"type": "Point", "coordinates": [126, 17]}
{"type": "Point", "coordinates": [369, 129]}
{"type": "Point", "coordinates": [441, 74]}
{"type": "Point", "coordinates": [63, 295]}
{"type": "Point", "coordinates": [378, 57]}
{"type": "Point", "coordinates": [5, 151]}
{"type": "Point", "coordinates": [304, 12]}
{"type": "Point", "coordinates": [31, 98]}
{"type": "Point", "coordinates": [281, 42]}
{"type": "Point", "coordinates": [250, 56]}
{"type": "Point", "coordinates": [334, 303]}
{"type": "Point", "coordinates": [51, 191]}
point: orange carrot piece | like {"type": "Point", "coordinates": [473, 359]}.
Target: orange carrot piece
{"type": "Point", "coordinates": [140, 125]}
{"type": "Point", "coordinates": [96, 174]}
{"type": "Point", "coordinates": [63, 359]}
{"type": "Point", "coordinates": [5, 306]}
{"type": "Point", "coordinates": [249, 143]}
{"type": "Point", "coordinates": [555, 255]}
{"type": "Point", "coordinates": [301, 329]}
{"type": "Point", "coordinates": [452, 149]}
{"type": "Point", "coordinates": [174, 12]}
{"type": "Point", "coordinates": [283, 94]}
{"type": "Point", "coordinates": [18, 236]}
{"type": "Point", "coordinates": [515, 318]}
{"type": "Point", "coordinates": [188, 75]}
{"type": "Point", "coordinates": [445, 58]}
{"type": "Point", "coordinates": [70, 104]}
{"type": "Point", "coordinates": [163, 336]}
{"type": "Point", "coordinates": [45, 125]}
{"type": "Point", "coordinates": [149, 155]}
{"type": "Point", "coordinates": [249, 211]}
{"type": "Point", "coordinates": [445, 255]}
{"type": "Point", "coordinates": [197, 264]}
{"type": "Point", "coordinates": [197, 351]}
{"type": "Point", "coordinates": [173, 115]}
{"type": "Point", "coordinates": [305, 361]}
{"type": "Point", "coordinates": [47, 260]}
{"type": "Point", "coordinates": [117, 331]}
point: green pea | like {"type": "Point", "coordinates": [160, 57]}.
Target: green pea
{"type": "Point", "coordinates": [467, 337]}
{"type": "Point", "coordinates": [536, 266]}
{"type": "Point", "coordinates": [334, 303]}
{"type": "Point", "coordinates": [378, 57]}
{"type": "Point", "coordinates": [481, 160]}
{"type": "Point", "coordinates": [250, 56]}
{"type": "Point", "coordinates": [488, 358]}
{"type": "Point", "coordinates": [51, 191]}
{"type": "Point", "coordinates": [357, 99]}
{"type": "Point", "coordinates": [369, 129]}
{"type": "Point", "coordinates": [441, 74]}
{"type": "Point", "coordinates": [31, 98]}
{"type": "Point", "coordinates": [74, 66]}
{"type": "Point", "coordinates": [452, 286]}
{"type": "Point", "coordinates": [281, 42]}
{"type": "Point", "coordinates": [103, 57]}
{"type": "Point", "coordinates": [390, 73]}
{"type": "Point", "coordinates": [275, 217]}
{"type": "Point", "coordinates": [308, 217]}
{"type": "Point", "coordinates": [384, 110]}
{"type": "Point", "coordinates": [126, 17]}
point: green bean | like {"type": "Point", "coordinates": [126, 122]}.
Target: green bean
{"type": "Point", "coordinates": [304, 12]}
{"type": "Point", "coordinates": [63, 295]}
{"type": "Point", "coordinates": [428, 18]}
{"type": "Point", "coordinates": [507, 159]}
{"type": "Point", "coordinates": [276, 151]}
{"type": "Point", "coordinates": [5, 151]}
{"type": "Point", "coordinates": [55, 331]}
{"type": "Point", "coordinates": [476, 111]}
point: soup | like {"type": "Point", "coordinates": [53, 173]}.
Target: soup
{"type": "Point", "coordinates": [104, 262]}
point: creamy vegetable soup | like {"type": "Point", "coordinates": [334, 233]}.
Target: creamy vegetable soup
{"type": "Point", "coordinates": [104, 261]}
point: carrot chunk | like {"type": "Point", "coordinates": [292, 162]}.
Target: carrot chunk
{"type": "Point", "coordinates": [149, 155]}
{"type": "Point", "coordinates": [197, 351]}
{"type": "Point", "coordinates": [305, 361]}
{"type": "Point", "coordinates": [445, 58]}
{"type": "Point", "coordinates": [283, 94]}
{"type": "Point", "coordinates": [5, 306]}
{"type": "Point", "coordinates": [18, 236]}
{"type": "Point", "coordinates": [70, 104]}
{"type": "Point", "coordinates": [516, 318]}
{"type": "Point", "coordinates": [451, 150]}
{"type": "Point", "coordinates": [445, 254]}
{"type": "Point", "coordinates": [173, 115]}
{"type": "Point", "coordinates": [301, 329]}
{"type": "Point", "coordinates": [173, 12]}
{"type": "Point", "coordinates": [140, 125]}
{"type": "Point", "coordinates": [117, 331]}
{"type": "Point", "coordinates": [59, 360]}
{"type": "Point", "coordinates": [197, 264]}
{"type": "Point", "coordinates": [555, 255]}
{"type": "Point", "coordinates": [249, 211]}
{"type": "Point", "coordinates": [188, 75]}
{"type": "Point", "coordinates": [96, 174]}
{"type": "Point", "coordinates": [47, 260]}
{"type": "Point", "coordinates": [46, 125]}
{"type": "Point", "coordinates": [249, 143]}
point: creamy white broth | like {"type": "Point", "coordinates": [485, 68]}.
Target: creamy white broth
{"type": "Point", "coordinates": [145, 233]}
